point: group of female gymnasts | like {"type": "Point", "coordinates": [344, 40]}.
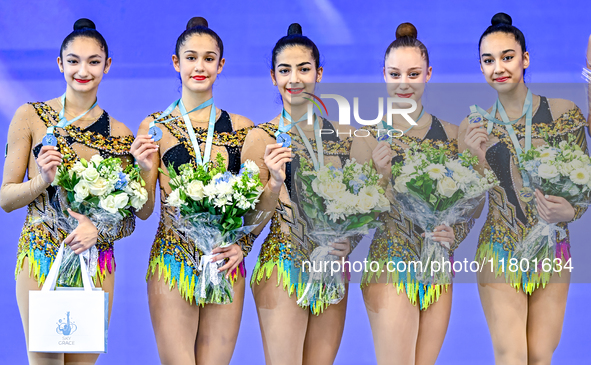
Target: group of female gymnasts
{"type": "Point", "coordinates": [409, 319]}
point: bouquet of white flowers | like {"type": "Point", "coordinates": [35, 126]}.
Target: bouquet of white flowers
{"type": "Point", "coordinates": [337, 203]}
{"type": "Point", "coordinates": [211, 203]}
{"type": "Point", "coordinates": [105, 192]}
{"type": "Point", "coordinates": [434, 189]}
{"type": "Point", "coordinates": [562, 170]}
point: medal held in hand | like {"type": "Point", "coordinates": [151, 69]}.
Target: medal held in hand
{"type": "Point", "coordinates": [284, 139]}
{"type": "Point", "coordinates": [49, 140]}
{"type": "Point", "coordinates": [526, 194]}
{"type": "Point", "coordinates": [156, 133]}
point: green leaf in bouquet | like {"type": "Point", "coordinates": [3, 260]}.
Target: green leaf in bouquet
{"type": "Point", "coordinates": [432, 199]}
{"type": "Point", "coordinates": [310, 210]}
{"type": "Point", "coordinates": [70, 197]}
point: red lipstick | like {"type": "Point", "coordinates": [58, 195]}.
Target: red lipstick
{"type": "Point", "coordinates": [404, 95]}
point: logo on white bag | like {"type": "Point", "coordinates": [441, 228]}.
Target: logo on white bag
{"type": "Point", "coordinates": [66, 326]}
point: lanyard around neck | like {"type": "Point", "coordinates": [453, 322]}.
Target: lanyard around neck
{"type": "Point", "coordinates": [49, 138]}
{"type": "Point", "coordinates": [317, 161]}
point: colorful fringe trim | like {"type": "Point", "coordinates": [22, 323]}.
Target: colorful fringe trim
{"type": "Point", "coordinates": [183, 275]}
{"type": "Point", "coordinates": [42, 253]}
{"type": "Point", "coordinates": [423, 294]}
{"type": "Point", "coordinates": [526, 281]}
{"type": "Point", "coordinates": [290, 282]}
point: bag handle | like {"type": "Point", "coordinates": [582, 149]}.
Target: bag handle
{"type": "Point", "coordinates": [51, 278]}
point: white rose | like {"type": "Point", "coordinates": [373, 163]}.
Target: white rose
{"type": "Point", "coordinates": [90, 174]}
{"type": "Point", "coordinates": [174, 198]}
{"type": "Point", "coordinates": [81, 190]}
{"type": "Point", "coordinates": [250, 165]}
{"type": "Point", "coordinates": [195, 190]}
{"type": "Point", "coordinates": [121, 200]}
{"type": "Point", "coordinates": [109, 204]}
{"type": "Point", "coordinates": [78, 168]}
{"type": "Point", "coordinates": [562, 145]}
{"type": "Point", "coordinates": [139, 198]}
{"type": "Point", "coordinates": [400, 184]}
{"type": "Point", "coordinates": [580, 176]}
{"type": "Point", "coordinates": [568, 155]}
{"type": "Point", "coordinates": [546, 171]}
{"type": "Point", "coordinates": [329, 189]}
{"type": "Point", "coordinates": [96, 159]}
{"type": "Point", "coordinates": [409, 169]}
{"type": "Point", "coordinates": [447, 187]}
{"type": "Point", "coordinates": [454, 166]}
{"type": "Point", "coordinates": [576, 164]}
{"type": "Point", "coordinates": [366, 203]}
{"type": "Point", "coordinates": [100, 187]}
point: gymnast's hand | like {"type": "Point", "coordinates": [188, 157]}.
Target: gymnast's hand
{"type": "Point", "coordinates": [443, 234]}
{"type": "Point", "coordinates": [476, 138]}
{"type": "Point", "coordinates": [234, 255]}
{"type": "Point", "coordinates": [143, 149]}
{"type": "Point", "coordinates": [84, 236]}
{"type": "Point", "coordinates": [554, 209]}
{"type": "Point", "coordinates": [48, 161]}
{"type": "Point", "coordinates": [275, 158]}
{"type": "Point", "coordinates": [382, 158]}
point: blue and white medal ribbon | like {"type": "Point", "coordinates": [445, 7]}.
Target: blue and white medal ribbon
{"type": "Point", "coordinates": [156, 132]}
{"type": "Point", "coordinates": [526, 194]}
{"type": "Point", "coordinates": [317, 161]}
{"type": "Point", "coordinates": [385, 126]}
{"type": "Point", "coordinates": [281, 133]}
{"type": "Point", "coordinates": [49, 139]}
{"type": "Point", "coordinates": [210, 127]}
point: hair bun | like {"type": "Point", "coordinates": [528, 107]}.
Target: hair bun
{"type": "Point", "coordinates": [406, 30]}
{"type": "Point", "coordinates": [294, 28]}
{"type": "Point", "coordinates": [84, 23]}
{"type": "Point", "coordinates": [197, 21]}
{"type": "Point", "coordinates": [501, 18]}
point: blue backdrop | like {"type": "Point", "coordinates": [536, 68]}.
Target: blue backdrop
{"type": "Point", "coordinates": [352, 38]}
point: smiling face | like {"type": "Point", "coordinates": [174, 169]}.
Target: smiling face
{"type": "Point", "coordinates": [84, 64]}
{"type": "Point", "coordinates": [198, 63]}
{"type": "Point", "coordinates": [406, 72]}
{"type": "Point", "coordinates": [503, 61]}
{"type": "Point", "coordinates": [295, 72]}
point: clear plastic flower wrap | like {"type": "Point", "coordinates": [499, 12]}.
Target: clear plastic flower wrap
{"type": "Point", "coordinates": [558, 169]}
{"type": "Point", "coordinates": [323, 285]}
{"type": "Point", "coordinates": [539, 245]}
{"type": "Point", "coordinates": [107, 225]}
{"type": "Point", "coordinates": [211, 203]}
{"type": "Point", "coordinates": [337, 204]}
{"type": "Point", "coordinates": [436, 187]}
{"type": "Point", "coordinates": [206, 233]}
{"type": "Point", "coordinates": [423, 215]}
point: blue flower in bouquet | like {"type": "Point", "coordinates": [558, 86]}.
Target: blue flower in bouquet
{"type": "Point", "coordinates": [532, 166]}
{"type": "Point", "coordinates": [226, 176]}
{"type": "Point", "coordinates": [362, 177]}
{"type": "Point", "coordinates": [449, 173]}
{"type": "Point", "coordinates": [355, 185]}
{"type": "Point", "coordinates": [122, 182]}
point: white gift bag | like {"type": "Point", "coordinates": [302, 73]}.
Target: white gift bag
{"type": "Point", "coordinates": [68, 320]}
